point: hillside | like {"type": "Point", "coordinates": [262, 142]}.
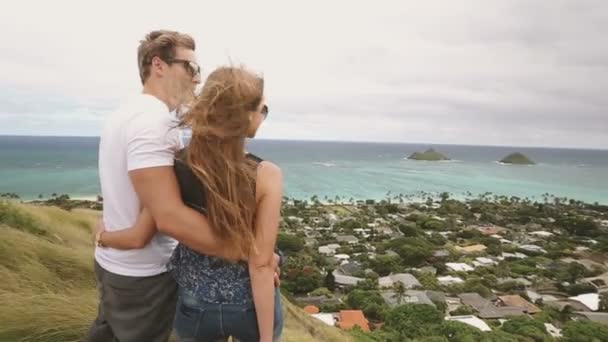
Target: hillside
{"type": "Point", "coordinates": [428, 155]}
{"type": "Point", "coordinates": [517, 158]}
{"type": "Point", "coordinates": [48, 289]}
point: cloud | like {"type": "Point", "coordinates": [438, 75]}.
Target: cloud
{"type": "Point", "coordinates": [500, 73]}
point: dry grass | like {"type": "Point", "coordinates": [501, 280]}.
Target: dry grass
{"type": "Point", "coordinates": [47, 287]}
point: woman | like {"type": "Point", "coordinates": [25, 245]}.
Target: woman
{"type": "Point", "coordinates": [241, 196]}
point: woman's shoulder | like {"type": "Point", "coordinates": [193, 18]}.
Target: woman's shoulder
{"type": "Point", "coordinates": [269, 174]}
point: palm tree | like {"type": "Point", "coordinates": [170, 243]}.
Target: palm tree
{"type": "Point", "coordinates": [399, 290]}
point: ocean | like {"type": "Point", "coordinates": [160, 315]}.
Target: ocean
{"type": "Point", "coordinates": [33, 166]}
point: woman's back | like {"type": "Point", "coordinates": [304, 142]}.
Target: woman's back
{"type": "Point", "coordinates": [209, 278]}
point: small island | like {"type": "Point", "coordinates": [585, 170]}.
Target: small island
{"type": "Point", "coordinates": [428, 155]}
{"type": "Point", "coordinates": [517, 159]}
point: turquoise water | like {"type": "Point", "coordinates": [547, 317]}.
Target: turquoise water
{"type": "Point", "coordinates": [42, 165]}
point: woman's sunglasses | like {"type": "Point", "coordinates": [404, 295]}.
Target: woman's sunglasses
{"type": "Point", "coordinates": [264, 111]}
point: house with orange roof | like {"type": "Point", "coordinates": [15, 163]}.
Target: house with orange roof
{"type": "Point", "coordinates": [347, 319]}
{"type": "Point", "coordinates": [311, 309]}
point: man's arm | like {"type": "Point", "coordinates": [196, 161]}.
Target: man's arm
{"type": "Point", "coordinates": [158, 190]}
{"type": "Point", "coordinates": [134, 237]}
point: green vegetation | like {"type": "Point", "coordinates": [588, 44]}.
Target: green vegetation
{"type": "Point", "coordinates": [584, 331]}
{"type": "Point", "coordinates": [289, 243]}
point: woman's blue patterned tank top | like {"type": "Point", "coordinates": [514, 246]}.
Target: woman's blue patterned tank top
{"type": "Point", "coordinates": [209, 278]}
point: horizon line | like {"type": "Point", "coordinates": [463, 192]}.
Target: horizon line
{"type": "Point", "coordinates": [351, 141]}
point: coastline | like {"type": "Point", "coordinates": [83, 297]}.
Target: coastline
{"type": "Point", "coordinates": [68, 202]}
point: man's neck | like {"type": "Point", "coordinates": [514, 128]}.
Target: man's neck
{"type": "Point", "coordinates": [159, 93]}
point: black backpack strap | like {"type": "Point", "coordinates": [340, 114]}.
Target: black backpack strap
{"type": "Point", "coordinates": [254, 157]}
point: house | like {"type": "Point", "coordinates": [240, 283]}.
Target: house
{"type": "Point", "coordinates": [311, 309]}
{"type": "Point", "coordinates": [541, 233]}
{"type": "Point", "coordinates": [345, 280]}
{"type": "Point", "coordinates": [489, 229]}
{"type": "Point", "coordinates": [470, 320]}
{"type": "Point", "coordinates": [519, 302]}
{"type": "Point", "coordinates": [501, 312]}
{"type": "Point", "coordinates": [295, 219]}
{"type": "Point", "coordinates": [481, 261]}
{"type": "Point", "coordinates": [342, 257]}
{"type": "Point", "coordinates": [331, 218]}
{"type": "Point", "coordinates": [409, 297]}
{"type": "Point", "coordinates": [328, 250]}
{"type": "Point", "coordinates": [350, 268]}
{"type": "Point", "coordinates": [363, 232]}
{"type": "Point", "coordinates": [350, 239]}
{"type": "Point", "coordinates": [459, 267]}
{"type": "Point", "coordinates": [532, 248]}
{"type": "Point", "coordinates": [600, 282]}
{"type": "Point", "coordinates": [449, 280]}
{"type": "Point", "coordinates": [505, 241]}
{"type": "Point", "coordinates": [515, 255]}
{"type": "Point", "coordinates": [534, 296]}
{"type": "Point", "coordinates": [347, 319]}
{"type": "Point", "coordinates": [599, 317]}
{"type": "Point", "coordinates": [408, 280]}
{"type": "Point", "coordinates": [441, 254]}
{"type": "Point", "coordinates": [475, 301]}
{"type": "Point", "coordinates": [452, 303]}
{"type": "Point", "coordinates": [327, 318]}
{"type": "Point", "coordinates": [561, 304]}
{"type": "Point", "coordinates": [478, 248]}
{"type": "Point", "coordinates": [589, 300]}
{"type": "Point", "coordinates": [486, 309]}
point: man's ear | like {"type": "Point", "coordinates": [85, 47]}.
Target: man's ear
{"type": "Point", "coordinates": [157, 66]}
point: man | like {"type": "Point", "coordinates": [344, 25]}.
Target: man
{"type": "Point", "coordinates": [138, 142]}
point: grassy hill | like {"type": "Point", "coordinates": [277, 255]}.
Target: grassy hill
{"type": "Point", "coordinates": [47, 286]}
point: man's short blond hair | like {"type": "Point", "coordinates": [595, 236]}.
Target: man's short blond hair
{"type": "Point", "coordinates": [162, 44]}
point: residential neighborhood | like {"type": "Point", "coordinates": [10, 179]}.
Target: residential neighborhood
{"type": "Point", "coordinates": [482, 262]}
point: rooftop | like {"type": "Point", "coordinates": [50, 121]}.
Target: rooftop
{"type": "Point", "coordinates": [349, 318]}
{"type": "Point", "coordinates": [472, 321]}
{"type": "Point", "coordinates": [520, 302]}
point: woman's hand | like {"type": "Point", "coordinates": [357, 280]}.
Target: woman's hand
{"type": "Point", "coordinates": [98, 231]}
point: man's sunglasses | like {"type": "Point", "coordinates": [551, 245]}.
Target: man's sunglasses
{"type": "Point", "coordinates": [264, 111]}
{"type": "Point", "coordinates": [190, 66]}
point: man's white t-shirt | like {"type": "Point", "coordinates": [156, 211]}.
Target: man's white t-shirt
{"type": "Point", "coordinates": [140, 134]}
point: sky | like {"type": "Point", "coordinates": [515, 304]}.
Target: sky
{"type": "Point", "coordinates": [514, 73]}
